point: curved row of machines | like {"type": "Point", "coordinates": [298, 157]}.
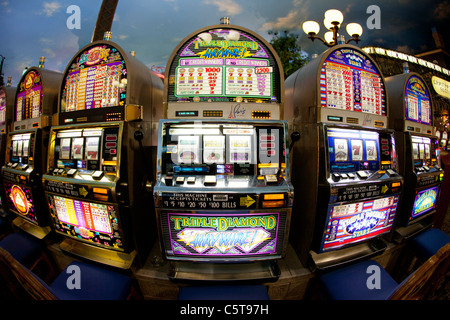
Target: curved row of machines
{"type": "Point", "coordinates": [366, 169]}
{"type": "Point", "coordinates": [82, 146]}
{"type": "Point", "coordinates": [222, 132]}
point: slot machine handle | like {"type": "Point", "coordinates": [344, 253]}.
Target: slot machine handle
{"type": "Point", "coordinates": [295, 136]}
{"type": "Point", "coordinates": [139, 136]}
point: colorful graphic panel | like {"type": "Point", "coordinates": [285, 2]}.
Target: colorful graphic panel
{"type": "Point", "coordinates": [29, 97]}
{"type": "Point", "coordinates": [425, 201]}
{"type": "Point", "coordinates": [213, 236]}
{"type": "Point", "coordinates": [417, 101]}
{"type": "Point", "coordinates": [359, 221]}
{"type": "Point", "coordinates": [88, 221]}
{"type": "Point", "coordinates": [222, 64]}
{"type": "Point", "coordinates": [350, 81]}
{"type": "Point", "coordinates": [20, 200]}
{"type": "Point", "coordinates": [97, 78]}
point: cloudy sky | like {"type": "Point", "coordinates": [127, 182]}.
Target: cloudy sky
{"type": "Point", "coordinates": [30, 29]}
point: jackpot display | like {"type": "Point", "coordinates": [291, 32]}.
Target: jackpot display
{"type": "Point", "coordinates": [418, 151]}
{"type": "Point", "coordinates": [26, 149]}
{"type": "Point", "coordinates": [345, 175]}
{"type": "Point", "coordinates": [222, 192]}
{"type": "Point", "coordinates": [101, 155]}
{"type": "Point", "coordinates": [224, 72]}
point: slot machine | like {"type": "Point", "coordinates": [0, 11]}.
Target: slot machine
{"type": "Point", "coordinates": [7, 94]}
{"type": "Point", "coordinates": [444, 140]}
{"type": "Point", "coordinates": [223, 195]}
{"type": "Point", "coordinates": [347, 186]}
{"type": "Point", "coordinates": [100, 156]}
{"type": "Point", "coordinates": [26, 149]}
{"type": "Point", "coordinates": [411, 115]}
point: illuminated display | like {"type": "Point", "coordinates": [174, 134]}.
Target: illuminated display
{"type": "Point", "coordinates": [213, 235]}
{"type": "Point", "coordinates": [350, 81]}
{"type": "Point", "coordinates": [2, 106]}
{"type": "Point", "coordinates": [91, 216]}
{"type": "Point", "coordinates": [85, 148]}
{"type": "Point", "coordinates": [97, 78]}
{"type": "Point", "coordinates": [355, 222]}
{"type": "Point", "coordinates": [89, 221]}
{"type": "Point", "coordinates": [353, 150]}
{"type": "Point", "coordinates": [29, 97]}
{"type": "Point", "coordinates": [222, 149]}
{"type": "Point", "coordinates": [20, 148]}
{"type": "Point", "coordinates": [222, 64]}
{"type": "Point", "coordinates": [425, 201]}
{"type": "Point", "coordinates": [19, 199]}
{"type": "Point", "coordinates": [417, 101]}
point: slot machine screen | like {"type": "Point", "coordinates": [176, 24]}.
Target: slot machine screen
{"type": "Point", "coordinates": [350, 81]}
{"type": "Point", "coordinates": [222, 149]}
{"type": "Point", "coordinates": [424, 202]}
{"type": "Point", "coordinates": [423, 151]}
{"type": "Point", "coordinates": [417, 101]}
{"type": "Point", "coordinates": [29, 97]}
{"type": "Point", "coordinates": [20, 199]}
{"type": "Point", "coordinates": [353, 150]}
{"type": "Point", "coordinates": [97, 78]}
{"type": "Point", "coordinates": [21, 149]}
{"type": "Point", "coordinates": [87, 149]}
{"type": "Point", "coordinates": [355, 222]}
{"type": "Point", "coordinates": [89, 221]}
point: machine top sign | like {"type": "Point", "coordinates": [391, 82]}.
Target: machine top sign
{"type": "Point", "coordinates": [221, 65]}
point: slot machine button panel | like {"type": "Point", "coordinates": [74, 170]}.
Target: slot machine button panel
{"type": "Point", "coordinates": [190, 180]}
{"type": "Point", "coordinates": [97, 175]}
{"type": "Point", "coordinates": [168, 180]}
{"type": "Point", "coordinates": [391, 172]}
{"type": "Point", "coordinates": [351, 175]}
{"type": "Point", "coordinates": [362, 174]}
{"type": "Point", "coordinates": [210, 181]}
{"type": "Point", "coordinates": [24, 167]}
{"type": "Point", "coordinates": [344, 176]}
{"type": "Point", "coordinates": [336, 176]}
{"type": "Point", "coordinates": [71, 172]}
{"type": "Point", "coordinates": [179, 180]}
{"type": "Point", "coordinates": [270, 179]}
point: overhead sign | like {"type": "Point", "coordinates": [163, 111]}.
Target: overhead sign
{"type": "Point", "coordinates": [441, 86]}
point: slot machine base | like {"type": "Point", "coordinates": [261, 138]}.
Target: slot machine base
{"type": "Point", "coordinates": [329, 260]}
{"type": "Point", "coordinates": [32, 229]}
{"type": "Point", "coordinates": [116, 259]}
{"type": "Point", "coordinates": [402, 234]}
{"type": "Point", "coordinates": [266, 271]}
